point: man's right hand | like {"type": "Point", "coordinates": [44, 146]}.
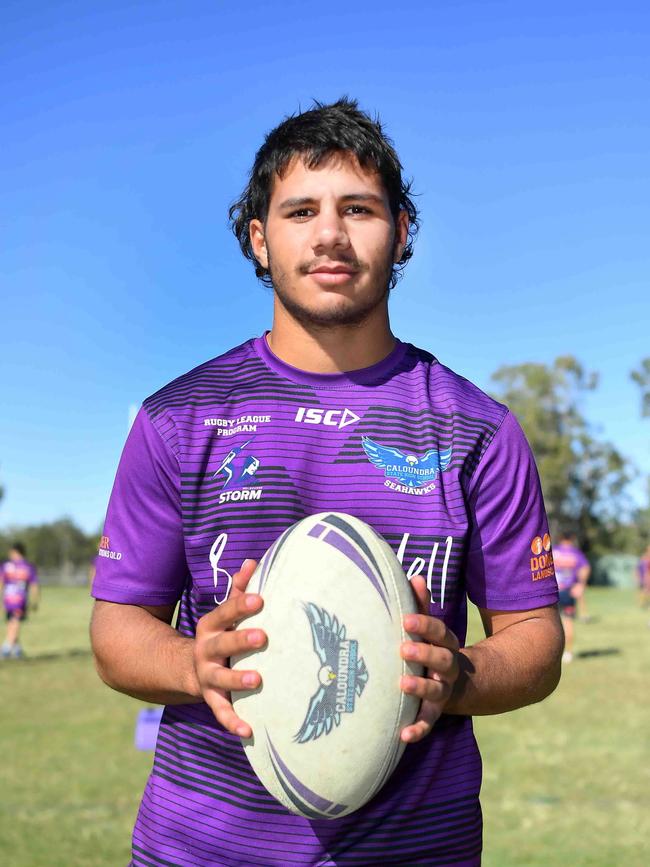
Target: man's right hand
{"type": "Point", "coordinates": [217, 639]}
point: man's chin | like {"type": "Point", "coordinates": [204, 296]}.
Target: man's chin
{"type": "Point", "coordinates": [330, 315]}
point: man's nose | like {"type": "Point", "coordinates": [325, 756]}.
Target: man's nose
{"type": "Point", "coordinates": [330, 232]}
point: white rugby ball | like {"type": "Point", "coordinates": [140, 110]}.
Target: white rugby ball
{"type": "Point", "coordinates": [327, 718]}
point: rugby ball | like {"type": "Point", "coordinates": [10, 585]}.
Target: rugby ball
{"type": "Point", "coordinates": [327, 718]}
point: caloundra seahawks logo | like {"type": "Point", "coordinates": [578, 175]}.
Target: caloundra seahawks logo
{"type": "Point", "coordinates": [341, 677]}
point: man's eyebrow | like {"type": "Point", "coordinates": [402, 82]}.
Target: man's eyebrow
{"type": "Point", "coordinates": [297, 202]}
{"type": "Point", "coordinates": [303, 201]}
{"type": "Point", "coordinates": [363, 197]}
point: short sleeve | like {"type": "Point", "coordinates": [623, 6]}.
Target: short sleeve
{"type": "Point", "coordinates": [141, 558]}
{"type": "Point", "coordinates": [509, 558]}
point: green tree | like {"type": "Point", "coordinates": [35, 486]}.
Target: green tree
{"type": "Point", "coordinates": [641, 524]}
{"type": "Point", "coordinates": [58, 545]}
{"type": "Point", "coordinates": [642, 379]}
{"type": "Point", "coordinates": [583, 478]}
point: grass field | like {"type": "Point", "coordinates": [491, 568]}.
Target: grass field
{"type": "Point", "coordinates": [566, 782]}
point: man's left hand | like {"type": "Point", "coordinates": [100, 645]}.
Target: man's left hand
{"type": "Point", "coordinates": [438, 652]}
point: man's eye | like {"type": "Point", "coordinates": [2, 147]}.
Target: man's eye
{"type": "Point", "coordinates": [358, 209]}
{"type": "Point", "coordinates": [301, 213]}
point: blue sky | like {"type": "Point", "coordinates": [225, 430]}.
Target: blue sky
{"type": "Point", "coordinates": [129, 128]}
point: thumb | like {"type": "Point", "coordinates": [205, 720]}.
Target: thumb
{"type": "Point", "coordinates": [241, 578]}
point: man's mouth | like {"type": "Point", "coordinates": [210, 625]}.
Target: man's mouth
{"type": "Point", "coordinates": [332, 275]}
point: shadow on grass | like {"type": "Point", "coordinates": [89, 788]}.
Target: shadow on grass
{"type": "Point", "coordinates": [599, 651]}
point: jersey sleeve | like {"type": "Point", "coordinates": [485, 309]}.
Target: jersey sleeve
{"type": "Point", "coordinates": [509, 558]}
{"type": "Point", "coordinates": [141, 554]}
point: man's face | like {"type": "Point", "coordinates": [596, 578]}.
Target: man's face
{"type": "Point", "coordinates": [329, 242]}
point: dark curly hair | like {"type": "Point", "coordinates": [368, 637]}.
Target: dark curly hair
{"type": "Point", "coordinates": [316, 135]}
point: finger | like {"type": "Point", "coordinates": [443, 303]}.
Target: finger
{"type": "Point", "coordinates": [234, 642]}
{"type": "Point", "coordinates": [432, 630]}
{"type": "Point", "coordinates": [422, 594]}
{"type": "Point", "coordinates": [232, 611]}
{"type": "Point", "coordinates": [428, 689]}
{"type": "Point", "coordinates": [438, 659]}
{"type": "Point", "coordinates": [423, 724]}
{"type": "Point", "coordinates": [225, 714]}
{"type": "Point", "coordinates": [224, 679]}
{"type": "Point", "coordinates": [241, 578]}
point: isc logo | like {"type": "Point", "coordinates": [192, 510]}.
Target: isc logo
{"type": "Point", "coordinates": [330, 417]}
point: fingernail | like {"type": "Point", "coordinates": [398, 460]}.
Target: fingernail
{"type": "Point", "coordinates": [255, 637]}
{"type": "Point", "coordinates": [408, 683]}
{"type": "Point", "coordinates": [410, 621]}
{"type": "Point", "coordinates": [245, 563]}
{"type": "Point", "coordinates": [251, 600]}
{"type": "Point", "coordinates": [243, 731]}
{"type": "Point", "coordinates": [249, 679]}
{"type": "Point", "coordinates": [409, 650]}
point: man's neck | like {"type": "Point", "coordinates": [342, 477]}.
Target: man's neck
{"type": "Point", "coordinates": [332, 349]}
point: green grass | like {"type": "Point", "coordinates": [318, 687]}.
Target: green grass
{"type": "Point", "coordinates": [566, 782]}
{"type": "Point", "coordinates": [71, 778]}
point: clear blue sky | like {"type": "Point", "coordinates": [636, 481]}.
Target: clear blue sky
{"type": "Point", "coordinates": [128, 128]}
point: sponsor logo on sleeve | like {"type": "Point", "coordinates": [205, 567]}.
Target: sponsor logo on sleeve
{"type": "Point", "coordinates": [541, 563]}
{"type": "Point", "coordinates": [105, 549]}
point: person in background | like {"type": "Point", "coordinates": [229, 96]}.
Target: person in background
{"type": "Point", "coordinates": [643, 576]}
{"type": "Point", "coordinates": [572, 571]}
{"type": "Point", "coordinates": [20, 592]}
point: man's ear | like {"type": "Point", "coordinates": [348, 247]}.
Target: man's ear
{"type": "Point", "coordinates": [258, 242]}
{"type": "Point", "coordinates": [401, 235]}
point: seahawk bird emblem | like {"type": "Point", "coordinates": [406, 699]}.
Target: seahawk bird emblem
{"type": "Point", "coordinates": [407, 469]}
{"type": "Point", "coordinates": [342, 675]}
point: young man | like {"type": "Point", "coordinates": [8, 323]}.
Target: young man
{"type": "Point", "coordinates": [572, 571]}
{"type": "Point", "coordinates": [20, 593]}
{"type": "Point", "coordinates": [294, 422]}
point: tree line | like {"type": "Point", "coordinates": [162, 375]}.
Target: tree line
{"type": "Point", "coordinates": [585, 479]}
{"type": "Point", "coordinates": [57, 546]}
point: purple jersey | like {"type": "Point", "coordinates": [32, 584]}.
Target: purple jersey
{"type": "Point", "coordinates": [221, 461]}
{"type": "Point", "coordinates": [17, 575]}
{"type": "Point", "coordinates": [568, 561]}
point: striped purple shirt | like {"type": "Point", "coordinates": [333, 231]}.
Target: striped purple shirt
{"type": "Point", "coordinates": [221, 461]}
{"type": "Point", "coordinates": [16, 577]}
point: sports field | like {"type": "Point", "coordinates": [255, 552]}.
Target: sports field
{"type": "Point", "coordinates": [566, 782]}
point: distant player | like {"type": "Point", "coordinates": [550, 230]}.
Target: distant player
{"type": "Point", "coordinates": [19, 592]}
{"type": "Point", "coordinates": [572, 571]}
{"type": "Point", "coordinates": [643, 577]}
